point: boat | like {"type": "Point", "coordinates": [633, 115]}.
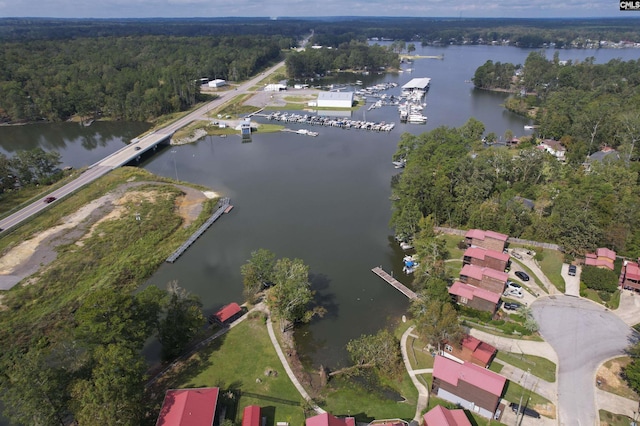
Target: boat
{"type": "Point", "coordinates": [400, 164]}
{"type": "Point", "coordinates": [410, 265]}
{"type": "Point", "coordinates": [417, 118]}
{"type": "Point", "coordinates": [527, 127]}
{"type": "Point", "coordinates": [405, 246]}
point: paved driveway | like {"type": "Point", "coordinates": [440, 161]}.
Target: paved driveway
{"type": "Point", "coordinates": [583, 335]}
{"type": "Point", "coordinates": [572, 283]}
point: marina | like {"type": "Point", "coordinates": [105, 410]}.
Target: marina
{"type": "Point", "coordinates": [223, 207]}
{"type": "Point", "coordinates": [315, 120]}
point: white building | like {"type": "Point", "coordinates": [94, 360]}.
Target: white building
{"type": "Point", "coordinates": [217, 83]}
{"type": "Point", "coordinates": [418, 84]}
{"type": "Point", "coordinates": [335, 100]}
{"type": "Point", "coordinates": [275, 87]}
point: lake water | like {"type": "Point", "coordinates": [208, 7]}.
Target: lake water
{"type": "Point", "coordinates": [324, 199]}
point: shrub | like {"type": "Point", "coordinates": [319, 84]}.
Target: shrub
{"type": "Point", "coordinates": [599, 279]}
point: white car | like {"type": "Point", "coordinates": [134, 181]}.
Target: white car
{"type": "Point", "coordinates": [514, 292]}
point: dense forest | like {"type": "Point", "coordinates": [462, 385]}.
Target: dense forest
{"type": "Point", "coordinates": [347, 56]}
{"type": "Point", "coordinates": [129, 78]}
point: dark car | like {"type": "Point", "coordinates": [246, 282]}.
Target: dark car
{"type": "Point", "coordinates": [526, 411]}
{"type": "Point", "coordinates": [572, 270]}
{"type": "Point", "coordinates": [511, 306]}
{"type": "Point", "coordinates": [522, 275]}
{"type": "Point", "coordinates": [49, 200]}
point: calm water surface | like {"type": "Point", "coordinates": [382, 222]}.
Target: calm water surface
{"type": "Point", "coordinates": [324, 200]}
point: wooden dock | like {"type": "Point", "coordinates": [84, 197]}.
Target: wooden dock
{"type": "Point", "coordinates": [397, 284]}
{"type": "Point", "coordinates": [223, 207]}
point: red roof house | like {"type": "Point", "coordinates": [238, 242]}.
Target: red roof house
{"type": "Point", "coordinates": [251, 416]}
{"type": "Point", "coordinates": [227, 313]}
{"type": "Point", "coordinates": [486, 239]}
{"type": "Point", "coordinates": [472, 387]}
{"type": "Point", "coordinates": [486, 278]}
{"type": "Point", "coordinates": [327, 419]}
{"type": "Point", "coordinates": [188, 407]}
{"type": "Point", "coordinates": [440, 416]}
{"type": "Point", "coordinates": [485, 258]}
{"type": "Point", "coordinates": [471, 350]}
{"type": "Point", "coordinates": [630, 276]}
{"type": "Point", "coordinates": [602, 258]}
{"type": "Point", "coordinates": [474, 297]}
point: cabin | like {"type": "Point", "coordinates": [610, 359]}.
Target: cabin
{"type": "Point", "coordinates": [189, 407]}
{"type": "Point", "coordinates": [335, 100]}
{"type": "Point", "coordinates": [485, 258]}
{"type": "Point", "coordinates": [486, 239]}
{"type": "Point", "coordinates": [327, 419]}
{"type": "Point", "coordinates": [630, 276]}
{"type": "Point", "coordinates": [440, 416]}
{"type": "Point", "coordinates": [486, 278]}
{"type": "Point", "coordinates": [474, 297]}
{"type": "Point", "coordinates": [602, 258]}
{"type": "Point", "coordinates": [251, 416]}
{"type": "Point", "coordinates": [227, 314]}
{"type": "Point", "coordinates": [471, 350]}
{"type": "Point", "coordinates": [474, 388]}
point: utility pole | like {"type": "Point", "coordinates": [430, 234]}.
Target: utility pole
{"type": "Point", "coordinates": [520, 412]}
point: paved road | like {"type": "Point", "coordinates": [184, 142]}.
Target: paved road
{"type": "Point", "coordinates": [128, 153]}
{"type": "Point", "coordinates": [583, 335]}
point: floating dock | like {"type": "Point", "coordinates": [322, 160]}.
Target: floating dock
{"type": "Point", "coordinates": [397, 284]}
{"type": "Point", "coordinates": [223, 207]}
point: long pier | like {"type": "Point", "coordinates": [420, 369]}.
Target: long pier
{"type": "Point", "coordinates": [223, 207]}
{"type": "Point", "coordinates": [397, 284]}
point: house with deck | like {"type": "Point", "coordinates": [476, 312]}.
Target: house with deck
{"type": "Point", "coordinates": [474, 297]}
{"type": "Point", "coordinates": [486, 239]}
{"type": "Point", "coordinates": [486, 258]}
{"type": "Point", "coordinates": [486, 278]}
{"type": "Point", "coordinates": [630, 276]}
{"type": "Point", "coordinates": [472, 387]}
{"type": "Point", "coordinates": [602, 258]}
{"type": "Point", "coordinates": [440, 416]}
{"type": "Point", "coordinates": [470, 349]}
{"type": "Point", "coordinates": [189, 407]}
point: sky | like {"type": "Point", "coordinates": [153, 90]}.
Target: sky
{"type": "Point", "coordinates": [312, 8]}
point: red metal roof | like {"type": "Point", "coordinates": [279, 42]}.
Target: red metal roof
{"type": "Point", "coordinates": [477, 272]}
{"type": "Point", "coordinates": [470, 292]}
{"type": "Point", "coordinates": [188, 407]}
{"type": "Point", "coordinates": [251, 416]}
{"type": "Point", "coordinates": [440, 416]}
{"type": "Point", "coordinates": [481, 253]}
{"type": "Point", "coordinates": [481, 235]}
{"type": "Point", "coordinates": [452, 372]}
{"type": "Point", "coordinates": [606, 253]}
{"type": "Point", "coordinates": [228, 311]}
{"type": "Point", "coordinates": [632, 271]}
{"type": "Point", "coordinates": [480, 350]}
{"type": "Point", "coordinates": [327, 419]}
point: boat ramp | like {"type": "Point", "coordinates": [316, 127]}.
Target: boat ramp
{"type": "Point", "coordinates": [223, 207]}
{"type": "Point", "coordinates": [395, 283]}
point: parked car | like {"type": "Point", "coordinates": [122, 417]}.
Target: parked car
{"type": "Point", "coordinates": [137, 148]}
{"type": "Point", "coordinates": [511, 306]}
{"type": "Point", "coordinates": [572, 270]}
{"type": "Point", "coordinates": [526, 411]}
{"type": "Point", "coordinates": [515, 292]}
{"type": "Point", "coordinates": [522, 275]}
{"type": "Point", "coordinates": [49, 200]}
{"type": "Point", "coordinates": [512, 285]}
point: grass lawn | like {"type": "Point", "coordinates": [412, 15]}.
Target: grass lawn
{"type": "Point", "coordinates": [610, 419]}
{"type": "Point", "coordinates": [539, 367]}
{"type": "Point", "coordinates": [495, 367]}
{"type": "Point", "coordinates": [238, 361]}
{"type": "Point", "coordinates": [452, 246]}
{"type": "Point", "coordinates": [514, 392]}
{"type": "Point", "coordinates": [418, 357]}
{"type": "Point", "coordinates": [551, 265]}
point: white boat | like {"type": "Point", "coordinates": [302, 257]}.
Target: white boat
{"type": "Point", "coordinates": [410, 265]}
{"type": "Point", "coordinates": [527, 127]}
{"type": "Point", "coordinates": [400, 164]}
{"type": "Point", "coordinates": [417, 118]}
{"type": "Point", "coordinates": [405, 246]}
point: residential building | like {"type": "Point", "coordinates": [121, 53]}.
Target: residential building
{"type": "Point", "coordinates": [335, 100]}
{"type": "Point", "coordinates": [471, 350]}
{"type": "Point", "coordinates": [474, 297]}
{"type": "Point", "coordinates": [440, 416]}
{"type": "Point", "coordinates": [472, 387]}
{"type": "Point", "coordinates": [486, 239]}
{"type": "Point", "coordinates": [327, 419]}
{"type": "Point", "coordinates": [189, 407]}
{"type": "Point", "coordinates": [486, 278]}
{"type": "Point", "coordinates": [602, 258]}
{"type": "Point", "coordinates": [251, 416]}
{"type": "Point", "coordinates": [485, 258]}
{"type": "Point", "coordinates": [554, 148]}
{"type": "Point", "coordinates": [630, 276]}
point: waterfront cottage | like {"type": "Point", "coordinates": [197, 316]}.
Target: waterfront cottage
{"type": "Point", "coordinates": [473, 388]}
{"type": "Point", "coordinates": [486, 239]}
{"type": "Point", "coordinates": [471, 350]}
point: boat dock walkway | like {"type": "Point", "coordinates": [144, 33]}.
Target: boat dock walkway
{"type": "Point", "coordinates": [223, 207]}
{"type": "Point", "coordinates": [397, 284]}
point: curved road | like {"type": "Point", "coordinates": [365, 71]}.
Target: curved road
{"type": "Point", "coordinates": [129, 152]}
{"type": "Point", "coordinates": [584, 335]}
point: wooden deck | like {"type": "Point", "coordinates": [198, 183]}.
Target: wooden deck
{"type": "Point", "coordinates": [223, 207]}
{"type": "Point", "coordinates": [395, 283]}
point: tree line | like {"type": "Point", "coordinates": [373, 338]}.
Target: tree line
{"type": "Point", "coordinates": [134, 78]}
{"type": "Point", "coordinates": [29, 167]}
{"type": "Point", "coordinates": [353, 55]}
